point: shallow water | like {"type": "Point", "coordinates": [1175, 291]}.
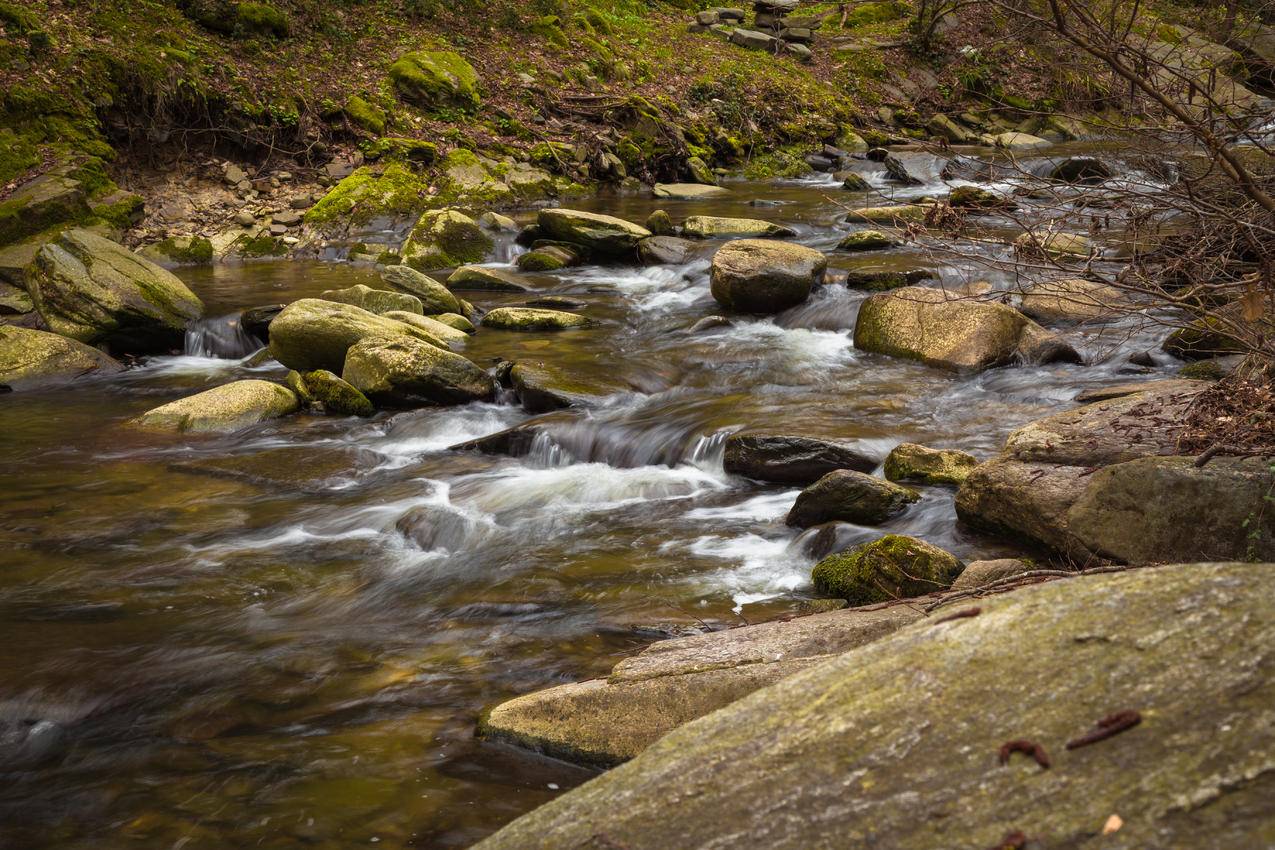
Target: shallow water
{"type": "Point", "coordinates": [245, 640]}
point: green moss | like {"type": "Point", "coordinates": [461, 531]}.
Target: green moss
{"type": "Point", "coordinates": [1203, 370]}
{"type": "Point", "coordinates": [890, 568]}
{"type": "Point", "coordinates": [549, 28]}
{"type": "Point", "coordinates": [365, 115]}
{"type": "Point", "coordinates": [875, 13]}
{"type": "Point", "coordinates": [194, 250]}
{"type": "Point", "coordinates": [262, 245]}
{"type": "Point", "coordinates": [260, 19]}
{"type": "Point", "coordinates": [411, 150]}
{"type": "Point", "coordinates": [778, 163]}
{"type": "Point", "coordinates": [540, 261]}
{"type": "Point", "coordinates": [434, 79]}
{"type": "Point", "coordinates": [445, 238]}
{"type": "Point", "coordinates": [370, 192]}
{"type": "Point", "coordinates": [17, 155]}
{"type": "Point", "coordinates": [120, 209]}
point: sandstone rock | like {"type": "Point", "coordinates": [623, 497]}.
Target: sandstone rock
{"type": "Point", "coordinates": [31, 359]}
{"type": "Point", "coordinates": [532, 319]}
{"type": "Point", "coordinates": [759, 276]}
{"type": "Point", "coordinates": [957, 334]}
{"type": "Point", "coordinates": [836, 751]}
{"type": "Point", "coordinates": [312, 334]}
{"type": "Point", "coordinates": [783, 459]}
{"type": "Point", "coordinates": [1019, 141]}
{"type": "Point", "coordinates": [892, 567]}
{"type": "Point", "coordinates": [486, 278]}
{"type": "Point", "coordinates": [665, 250]}
{"type": "Point", "coordinates": [231, 407]}
{"type": "Point", "coordinates": [716, 227]}
{"type": "Point", "coordinates": [910, 462]}
{"type": "Point", "coordinates": [41, 203]}
{"type": "Point", "coordinates": [900, 214]}
{"type": "Point", "coordinates": [945, 128]}
{"type": "Point", "coordinates": [434, 297]}
{"type": "Point", "coordinates": [1058, 245]}
{"type": "Point", "coordinates": [434, 329]}
{"type": "Point", "coordinates": [866, 240]}
{"type": "Point", "coordinates": [96, 291]}
{"type": "Point", "coordinates": [1073, 300]}
{"type": "Point", "coordinates": [850, 496]}
{"type": "Point", "coordinates": [377, 301]}
{"type": "Point", "coordinates": [978, 573]}
{"type": "Point", "coordinates": [405, 372]}
{"type": "Point", "coordinates": [688, 191]}
{"type": "Point", "coordinates": [602, 234]}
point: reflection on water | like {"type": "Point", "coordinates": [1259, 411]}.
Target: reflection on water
{"type": "Point", "coordinates": [283, 637]}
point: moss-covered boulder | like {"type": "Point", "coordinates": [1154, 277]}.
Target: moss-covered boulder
{"type": "Point", "coordinates": [1072, 301]}
{"type": "Point", "coordinates": [866, 240]}
{"type": "Point", "coordinates": [717, 227]}
{"type": "Point", "coordinates": [893, 567]}
{"type": "Point", "coordinates": [533, 319]}
{"type": "Point", "coordinates": [486, 279]}
{"type": "Point", "coordinates": [910, 462]}
{"type": "Point", "coordinates": [900, 214]}
{"type": "Point", "coordinates": [895, 744]}
{"type": "Point", "coordinates": [604, 235]}
{"type": "Point", "coordinates": [335, 395]}
{"type": "Point", "coordinates": [377, 301]}
{"type": "Point", "coordinates": [313, 334]}
{"type": "Point", "coordinates": [975, 198]}
{"type": "Point", "coordinates": [542, 388]}
{"type": "Point", "coordinates": [435, 329]}
{"type": "Point", "coordinates": [884, 281]}
{"type": "Point", "coordinates": [548, 258]}
{"type": "Point", "coordinates": [848, 496]}
{"type": "Point", "coordinates": [30, 359]}
{"type": "Point", "coordinates": [457, 321]}
{"type": "Point", "coordinates": [405, 372]}
{"type": "Point", "coordinates": [384, 190]}
{"type": "Point", "coordinates": [788, 459]}
{"type": "Point", "coordinates": [951, 333]}
{"type": "Point", "coordinates": [434, 297]}
{"type": "Point", "coordinates": [226, 408]}
{"type": "Point", "coordinates": [364, 115]}
{"type": "Point", "coordinates": [41, 203]}
{"type": "Point", "coordinates": [660, 223]}
{"type": "Point", "coordinates": [180, 251]}
{"type": "Point", "coordinates": [435, 78]}
{"type": "Point", "coordinates": [96, 291]}
{"type": "Point", "coordinates": [444, 238]}
{"type": "Point", "coordinates": [760, 276]}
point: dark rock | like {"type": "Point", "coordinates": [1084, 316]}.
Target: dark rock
{"type": "Point", "coordinates": [783, 459]}
{"type": "Point", "coordinates": [850, 496]}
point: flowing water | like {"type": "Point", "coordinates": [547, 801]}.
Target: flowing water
{"type": "Point", "coordinates": [283, 637]}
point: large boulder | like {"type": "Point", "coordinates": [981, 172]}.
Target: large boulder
{"type": "Point", "coordinates": [434, 297]}
{"type": "Point", "coordinates": [849, 496]}
{"type": "Point", "coordinates": [952, 333]}
{"type": "Point", "coordinates": [41, 203]}
{"type": "Point", "coordinates": [435, 78]}
{"type": "Point", "coordinates": [896, 744]}
{"type": "Point", "coordinates": [761, 276]}
{"type": "Point", "coordinates": [444, 238]}
{"type": "Point", "coordinates": [378, 301]}
{"type": "Point", "coordinates": [784, 459]}
{"type": "Point", "coordinates": [665, 250]}
{"type": "Point", "coordinates": [30, 359]}
{"type": "Point", "coordinates": [334, 395]}
{"type": "Point", "coordinates": [434, 329]}
{"type": "Point", "coordinates": [223, 409]}
{"type": "Point", "coordinates": [892, 567]}
{"type": "Point", "coordinates": [607, 721]}
{"type": "Point", "coordinates": [899, 214]}
{"type": "Point", "coordinates": [910, 462]}
{"type": "Point", "coordinates": [533, 319]}
{"type": "Point", "coordinates": [1073, 300]}
{"type": "Point", "coordinates": [601, 234]}
{"type": "Point", "coordinates": [94, 290]}
{"type": "Point", "coordinates": [312, 334]}
{"type": "Point", "coordinates": [717, 227]}
{"type": "Point", "coordinates": [406, 372]}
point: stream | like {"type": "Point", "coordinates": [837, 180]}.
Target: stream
{"type": "Point", "coordinates": [247, 641]}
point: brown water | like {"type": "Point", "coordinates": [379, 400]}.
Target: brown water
{"type": "Point", "coordinates": [225, 642]}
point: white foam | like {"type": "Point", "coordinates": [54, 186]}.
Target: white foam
{"type": "Point", "coordinates": [762, 568]}
{"type": "Point", "coordinates": [763, 508]}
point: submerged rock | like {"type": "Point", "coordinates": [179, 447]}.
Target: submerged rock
{"type": "Point", "coordinates": [31, 359]}
{"type": "Point", "coordinates": [783, 459]}
{"type": "Point", "coordinates": [893, 567]}
{"type": "Point", "coordinates": [760, 276]}
{"type": "Point", "coordinates": [717, 227]}
{"type": "Point", "coordinates": [608, 721]}
{"type": "Point", "coordinates": [376, 301]}
{"type": "Point", "coordinates": [533, 319]}
{"type": "Point", "coordinates": [850, 496]}
{"type": "Point", "coordinates": [96, 291]}
{"type": "Point", "coordinates": [406, 372]}
{"type": "Point", "coordinates": [895, 744]}
{"type": "Point", "coordinates": [313, 334]}
{"type": "Point", "coordinates": [543, 388]}
{"type": "Point", "coordinates": [223, 409]}
{"type": "Point", "coordinates": [602, 234]}
{"type": "Point", "coordinates": [434, 297]}
{"type": "Point", "coordinates": [952, 333]}
{"type": "Point", "coordinates": [910, 462]}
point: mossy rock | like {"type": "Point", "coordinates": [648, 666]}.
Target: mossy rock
{"type": "Point", "coordinates": [763, 276]}
{"type": "Point", "coordinates": [260, 19]}
{"type": "Point", "coordinates": [440, 331]}
{"type": "Point", "coordinates": [910, 462]}
{"type": "Point", "coordinates": [893, 567]}
{"type": "Point", "coordinates": [487, 279]}
{"type": "Point", "coordinates": [457, 321]}
{"type": "Point", "coordinates": [227, 408]}
{"type": "Point", "coordinates": [365, 115]}
{"type": "Point", "coordinates": [433, 296]}
{"type": "Point", "coordinates": [394, 191]}
{"type": "Point", "coordinates": [846, 495]}
{"type": "Point", "coordinates": [40, 204]}
{"type": "Point", "coordinates": [435, 78]}
{"type": "Point", "coordinates": [1203, 370]}
{"type": "Point", "coordinates": [312, 334]}
{"type": "Point", "coordinates": [900, 214]}
{"type": "Point", "coordinates": [605, 235]}
{"type": "Point", "coordinates": [1059, 246]}
{"type": "Point", "coordinates": [180, 250]}
{"type": "Point", "coordinates": [377, 301]}
{"type": "Point", "coordinates": [719, 227]}
{"type": "Point", "coordinates": [405, 372]}
{"type": "Point", "coordinates": [543, 388]}
{"type": "Point", "coordinates": [336, 395]}
{"type": "Point", "coordinates": [444, 238]}
{"type": "Point", "coordinates": [260, 245]}
{"type": "Point", "coordinates": [550, 258]}
{"type": "Point", "coordinates": [413, 151]}
{"type": "Point", "coordinates": [977, 198]}
{"type": "Point", "coordinates": [533, 319]}
{"type": "Point", "coordinates": [866, 240]}
{"type": "Point", "coordinates": [31, 359]}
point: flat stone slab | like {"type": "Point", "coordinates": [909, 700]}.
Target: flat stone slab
{"type": "Point", "coordinates": [688, 191]}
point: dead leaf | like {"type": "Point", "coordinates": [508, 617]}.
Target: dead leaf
{"type": "Point", "coordinates": [1251, 303]}
{"type": "Point", "coordinates": [1113, 824]}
